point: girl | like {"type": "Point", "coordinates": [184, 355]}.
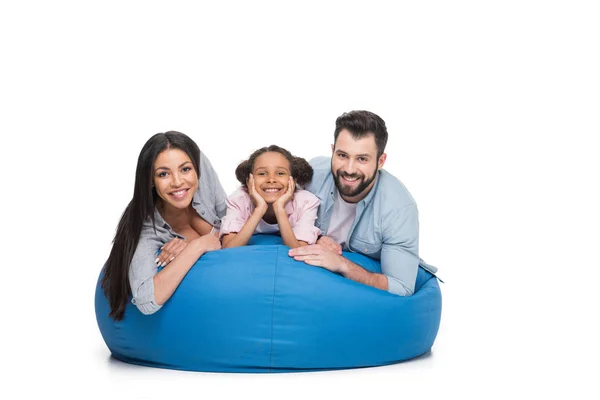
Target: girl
{"type": "Point", "coordinates": [177, 204]}
{"type": "Point", "coordinates": [268, 201]}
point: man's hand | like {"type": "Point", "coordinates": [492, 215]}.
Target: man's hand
{"type": "Point", "coordinates": [330, 244]}
{"type": "Point", "coordinates": [319, 256]}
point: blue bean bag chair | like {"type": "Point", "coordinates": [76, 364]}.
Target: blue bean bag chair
{"type": "Point", "coordinates": [255, 309]}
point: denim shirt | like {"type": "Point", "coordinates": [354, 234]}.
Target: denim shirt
{"type": "Point", "coordinates": [386, 226]}
{"type": "Point", "coordinates": [209, 203]}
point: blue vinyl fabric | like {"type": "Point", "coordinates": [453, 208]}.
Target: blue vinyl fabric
{"type": "Point", "coordinates": [255, 309]}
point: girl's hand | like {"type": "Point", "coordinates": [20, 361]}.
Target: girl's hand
{"type": "Point", "coordinates": [257, 199]}
{"type": "Point", "coordinates": [169, 251]}
{"type": "Point", "coordinates": [287, 196]}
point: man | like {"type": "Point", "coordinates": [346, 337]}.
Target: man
{"type": "Point", "coordinates": [364, 208]}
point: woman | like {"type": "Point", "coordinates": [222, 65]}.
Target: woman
{"type": "Point", "coordinates": [176, 208]}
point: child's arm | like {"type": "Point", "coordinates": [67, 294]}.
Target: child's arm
{"type": "Point", "coordinates": [241, 238]}
{"type": "Point", "coordinates": [285, 228]}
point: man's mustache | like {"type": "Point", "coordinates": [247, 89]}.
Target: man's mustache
{"type": "Point", "coordinates": [345, 175]}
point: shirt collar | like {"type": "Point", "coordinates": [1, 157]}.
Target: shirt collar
{"type": "Point", "coordinates": [159, 220]}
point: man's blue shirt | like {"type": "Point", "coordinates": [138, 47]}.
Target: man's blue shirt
{"type": "Point", "coordinates": [386, 226]}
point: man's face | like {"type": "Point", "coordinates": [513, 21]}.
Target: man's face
{"type": "Point", "coordinates": [354, 165]}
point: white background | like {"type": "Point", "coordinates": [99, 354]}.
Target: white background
{"type": "Point", "coordinates": [493, 114]}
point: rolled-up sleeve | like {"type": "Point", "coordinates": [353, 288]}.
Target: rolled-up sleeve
{"type": "Point", "coordinates": [399, 253]}
{"type": "Point", "coordinates": [307, 205]}
{"type": "Point", "coordinates": [142, 271]}
{"type": "Point", "coordinates": [238, 211]}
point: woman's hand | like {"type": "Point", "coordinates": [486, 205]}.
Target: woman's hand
{"type": "Point", "coordinates": [287, 196]}
{"type": "Point", "coordinates": [259, 202]}
{"type": "Point", "coordinates": [169, 251]}
{"type": "Point", "coordinates": [207, 243]}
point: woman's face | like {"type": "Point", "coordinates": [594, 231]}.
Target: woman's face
{"type": "Point", "coordinates": [175, 178]}
{"type": "Point", "coordinates": [271, 175]}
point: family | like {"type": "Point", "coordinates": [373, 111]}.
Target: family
{"type": "Point", "coordinates": [179, 211]}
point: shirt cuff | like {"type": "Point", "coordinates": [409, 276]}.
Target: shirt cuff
{"type": "Point", "coordinates": [307, 234]}
{"type": "Point", "coordinates": [396, 287]}
{"type": "Point", "coordinates": [147, 308]}
{"type": "Point", "coordinates": [230, 225]}
{"type": "Point", "coordinates": [143, 299]}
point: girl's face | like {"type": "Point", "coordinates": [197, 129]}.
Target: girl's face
{"type": "Point", "coordinates": [271, 175]}
{"type": "Point", "coordinates": [175, 178]}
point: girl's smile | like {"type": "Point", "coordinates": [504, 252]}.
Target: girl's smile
{"type": "Point", "coordinates": [271, 175]}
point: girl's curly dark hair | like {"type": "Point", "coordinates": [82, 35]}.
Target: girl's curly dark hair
{"type": "Point", "coordinates": [301, 170]}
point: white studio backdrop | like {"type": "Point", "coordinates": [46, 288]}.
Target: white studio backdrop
{"type": "Point", "coordinates": [492, 110]}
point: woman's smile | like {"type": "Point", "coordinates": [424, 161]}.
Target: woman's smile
{"type": "Point", "coordinates": [180, 194]}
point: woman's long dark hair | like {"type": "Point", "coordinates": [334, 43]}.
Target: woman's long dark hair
{"type": "Point", "coordinates": [115, 281]}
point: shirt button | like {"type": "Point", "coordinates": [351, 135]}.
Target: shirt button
{"type": "Point", "coordinates": [133, 301]}
{"type": "Point", "coordinates": [216, 222]}
{"type": "Point", "coordinates": [202, 212]}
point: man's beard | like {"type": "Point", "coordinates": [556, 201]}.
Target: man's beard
{"type": "Point", "coordinates": [349, 191]}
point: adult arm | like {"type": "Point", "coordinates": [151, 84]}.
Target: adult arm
{"type": "Point", "coordinates": [169, 278]}
{"type": "Point", "coordinates": [399, 253]}
{"type": "Point", "coordinates": [150, 289]}
{"type": "Point", "coordinates": [331, 244]}
{"type": "Point", "coordinates": [321, 256]}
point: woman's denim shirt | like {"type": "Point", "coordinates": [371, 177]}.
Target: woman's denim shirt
{"type": "Point", "coordinates": [208, 201]}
